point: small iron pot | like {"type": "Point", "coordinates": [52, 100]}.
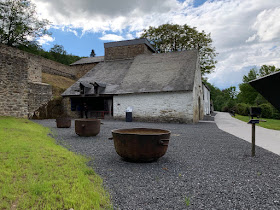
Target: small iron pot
{"type": "Point", "coordinates": [87, 127]}
{"type": "Point", "coordinates": [141, 144]}
{"type": "Point", "coordinates": [63, 122]}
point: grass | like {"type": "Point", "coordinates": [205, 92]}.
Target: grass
{"type": "Point", "coordinates": [270, 123]}
{"type": "Point", "coordinates": [59, 84]}
{"type": "Point", "coordinates": [187, 201]}
{"type": "Point", "coordinates": [36, 173]}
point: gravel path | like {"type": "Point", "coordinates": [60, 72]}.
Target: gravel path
{"type": "Point", "coordinates": [204, 168]}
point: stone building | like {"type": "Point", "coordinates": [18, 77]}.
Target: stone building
{"type": "Point", "coordinates": [163, 87]}
{"type": "Point", "coordinates": [85, 64]}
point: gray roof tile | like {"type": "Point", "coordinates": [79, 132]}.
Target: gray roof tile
{"type": "Point", "coordinates": [88, 60]}
{"type": "Point", "coordinates": [163, 72]}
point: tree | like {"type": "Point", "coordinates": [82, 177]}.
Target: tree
{"type": "Point", "coordinates": [59, 54]}
{"type": "Point", "coordinates": [19, 22]}
{"type": "Point", "coordinates": [58, 49]}
{"type": "Point", "coordinates": [92, 54]}
{"type": "Point", "coordinates": [230, 93]}
{"type": "Point", "coordinates": [247, 93]}
{"type": "Point", "coordinates": [253, 74]}
{"type": "Point", "coordinates": [222, 98]}
{"type": "Point", "coordinates": [169, 37]}
{"type": "Point", "coordinates": [265, 70]}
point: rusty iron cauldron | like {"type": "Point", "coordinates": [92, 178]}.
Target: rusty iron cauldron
{"type": "Point", "coordinates": [141, 144]}
{"type": "Point", "coordinates": [87, 127]}
{"type": "Point", "coordinates": [63, 122]}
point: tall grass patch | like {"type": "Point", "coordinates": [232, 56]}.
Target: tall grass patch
{"type": "Point", "coordinates": [37, 173]}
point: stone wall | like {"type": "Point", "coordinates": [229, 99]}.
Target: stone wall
{"type": "Point", "coordinates": [21, 90]}
{"type": "Point", "coordinates": [157, 107]}
{"type": "Point", "coordinates": [82, 69]}
{"type": "Point", "coordinates": [125, 52]}
{"type": "Point", "coordinates": [38, 95]}
{"type": "Point", "coordinates": [66, 102]}
{"type": "Point", "coordinates": [38, 64]}
{"type": "Point", "coordinates": [13, 86]}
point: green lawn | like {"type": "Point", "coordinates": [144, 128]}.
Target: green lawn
{"type": "Point", "coordinates": [270, 123]}
{"type": "Point", "coordinates": [36, 173]}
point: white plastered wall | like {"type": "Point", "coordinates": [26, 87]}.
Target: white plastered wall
{"type": "Point", "coordinates": [161, 107]}
{"type": "Point", "coordinates": [206, 98]}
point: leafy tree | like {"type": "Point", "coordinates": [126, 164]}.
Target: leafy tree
{"type": "Point", "coordinates": [19, 22]}
{"type": "Point", "coordinates": [265, 70]}
{"type": "Point", "coordinates": [58, 49]}
{"type": "Point", "coordinates": [247, 93]}
{"type": "Point", "coordinates": [253, 74]}
{"type": "Point", "coordinates": [230, 93]}
{"type": "Point", "coordinates": [222, 98]}
{"type": "Point", "coordinates": [59, 54]}
{"type": "Point", "coordinates": [92, 54]}
{"type": "Point", "coordinates": [169, 37]}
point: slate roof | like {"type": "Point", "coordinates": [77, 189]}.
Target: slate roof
{"type": "Point", "coordinates": [88, 60]}
{"type": "Point", "coordinates": [162, 72]}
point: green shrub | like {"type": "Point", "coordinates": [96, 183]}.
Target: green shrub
{"type": "Point", "coordinates": [267, 111]}
{"type": "Point", "coordinates": [276, 114]}
{"type": "Point", "coordinates": [230, 104]}
{"type": "Point", "coordinates": [225, 109]}
{"type": "Point", "coordinates": [242, 109]}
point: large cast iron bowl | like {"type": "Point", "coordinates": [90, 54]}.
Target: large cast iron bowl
{"type": "Point", "coordinates": [141, 144]}
{"type": "Point", "coordinates": [87, 127]}
{"type": "Point", "coordinates": [63, 122]}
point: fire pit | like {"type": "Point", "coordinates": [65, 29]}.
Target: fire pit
{"type": "Point", "coordinates": [63, 122]}
{"type": "Point", "coordinates": [87, 127]}
{"type": "Point", "coordinates": [141, 144]}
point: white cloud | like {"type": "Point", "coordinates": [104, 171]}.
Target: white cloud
{"type": "Point", "coordinates": [114, 37]}
{"type": "Point", "coordinates": [252, 38]}
{"type": "Point", "coordinates": [111, 37]}
{"type": "Point", "coordinates": [73, 31]}
{"type": "Point", "coordinates": [267, 24]}
{"type": "Point", "coordinates": [45, 39]}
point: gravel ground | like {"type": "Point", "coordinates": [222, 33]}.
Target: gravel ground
{"type": "Point", "coordinates": [204, 168]}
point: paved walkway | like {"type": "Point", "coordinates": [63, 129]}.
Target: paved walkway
{"type": "Point", "coordinates": [265, 138]}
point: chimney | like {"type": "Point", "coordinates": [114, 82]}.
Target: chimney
{"type": "Point", "coordinates": [127, 49]}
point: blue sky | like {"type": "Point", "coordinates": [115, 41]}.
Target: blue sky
{"type": "Point", "coordinates": [246, 34]}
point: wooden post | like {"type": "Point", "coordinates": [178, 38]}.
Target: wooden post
{"type": "Point", "coordinates": [253, 139]}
